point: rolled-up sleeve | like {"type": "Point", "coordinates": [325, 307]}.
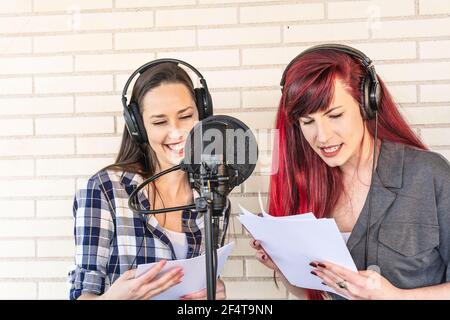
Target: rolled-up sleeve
{"type": "Point", "coordinates": [93, 232]}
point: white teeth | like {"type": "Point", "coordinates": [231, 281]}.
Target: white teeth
{"type": "Point", "coordinates": [176, 147]}
{"type": "Point", "coordinates": [332, 149]}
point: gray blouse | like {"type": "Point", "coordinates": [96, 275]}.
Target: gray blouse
{"type": "Point", "coordinates": [409, 238]}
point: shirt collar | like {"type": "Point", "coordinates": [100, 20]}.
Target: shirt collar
{"type": "Point", "coordinates": [390, 164]}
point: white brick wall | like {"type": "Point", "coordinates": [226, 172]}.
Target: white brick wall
{"type": "Point", "coordinates": [62, 68]}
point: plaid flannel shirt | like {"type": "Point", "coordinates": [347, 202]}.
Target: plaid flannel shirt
{"type": "Point", "coordinates": [108, 234]}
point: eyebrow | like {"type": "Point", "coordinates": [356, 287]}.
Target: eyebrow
{"type": "Point", "coordinates": [163, 115]}
{"type": "Point", "coordinates": [332, 109]}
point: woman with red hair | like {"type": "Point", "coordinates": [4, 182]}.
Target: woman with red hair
{"type": "Point", "coordinates": [345, 152]}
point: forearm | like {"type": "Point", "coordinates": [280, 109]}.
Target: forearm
{"type": "Point", "coordinates": [437, 292]}
{"type": "Point", "coordinates": [90, 296]}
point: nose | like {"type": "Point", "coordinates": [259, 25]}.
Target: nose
{"type": "Point", "coordinates": [324, 132]}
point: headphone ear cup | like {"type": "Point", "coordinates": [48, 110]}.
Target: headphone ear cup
{"type": "Point", "coordinates": [204, 103]}
{"type": "Point", "coordinates": [141, 135]}
{"type": "Point", "coordinates": [367, 111]}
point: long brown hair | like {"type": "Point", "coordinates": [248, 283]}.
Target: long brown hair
{"type": "Point", "coordinates": [141, 159]}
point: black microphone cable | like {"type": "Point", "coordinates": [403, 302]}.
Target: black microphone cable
{"type": "Point", "coordinates": [366, 251]}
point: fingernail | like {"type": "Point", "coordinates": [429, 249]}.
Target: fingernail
{"type": "Point", "coordinates": [322, 265]}
{"type": "Point", "coordinates": [314, 273]}
{"type": "Point", "coordinates": [313, 264]}
{"type": "Point", "coordinates": [264, 257]}
{"type": "Point", "coordinates": [324, 284]}
{"type": "Point", "coordinates": [254, 243]}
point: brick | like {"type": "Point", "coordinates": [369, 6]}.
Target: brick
{"type": "Point", "coordinates": [70, 167]}
{"type": "Point", "coordinates": [16, 127]}
{"type": "Point", "coordinates": [414, 71]}
{"type": "Point", "coordinates": [370, 9]}
{"type": "Point", "coordinates": [267, 56]}
{"type": "Point", "coordinates": [70, 5]}
{"type": "Point", "coordinates": [325, 32]}
{"type": "Point", "coordinates": [18, 290]}
{"type": "Point", "coordinates": [53, 290]}
{"type": "Point", "coordinates": [403, 93]}
{"type": "Point", "coordinates": [34, 269]}
{"type": "Point", "coordinates": [242, 248]}
{"type": "Point", "coordinates": [17, 248]}
{"type": "Point", "coordinates": [412, 28]}
{"type": "Point", "coordinates": [36, 105]}
{"type": "Point", "coordinates": [55, 248]}
{"type": "Point", "coordinates": [37, 228]}
{"type": "Point", "coordinates": [34, 147]}
{"type": "Point", "coordinates": [81, 125]}
{"type": "Point", "coordinates": [98, 103]}
{"type": "Point", "coordinates": [256, 120]}
{"type": "Point", "coordinates": [15, 86]}
{"type": "Point", "coordinates": [12, 45]}
{"type": "Point", "coordinates": [116, 20]}
{"type": "Point", "coordinates": [434, 49]}
{"type": "Point", "coordinates": [254, 290]}
{"type": "Point", "coordinates": [249, 203]}
{"type": "Point", "coordinates": [34, 24]}
{"type": "Point", "coordinates": [155, 39]}
{"type": "Point", "coordinates": [445, 153]}
{"type": "Point", "coordinates": [100, 145]}
{"type": "Point", "coordinates": [242, 78]}
{"type": "Point", "coordinates": [35, 65]}
{"type": "Point", "coordinates": [238, 36]}
{"type": "Point", "coordinates": [109, 62]}
{"type": "Point", "coordinates": [120, 125]}
{"type": "Point", "coordinates": [254, 268]}
{"type": "Point", "coordinates": [427, 115]}
{"type": "Point", "coordinates": [261, 98]}
{"type": "Point", "coordinates": [436, 136]}
{"type": "Point", "coordinates": [434, 6]}
{"type": "Point", "coordinates": [73, 43]}
{"type": "Point", "coordinates": [234, 228]}
{"type": "Point", "coordinates": [226, 99]}
{"type": "Point", "coordinates": [36, 188]}
{"type": "Point", "coordinates": [282, 13]}
{"type": "Point", "coordinates": [229, 1]}
{"type": "Point", "coordinates": [54, 208]}
{"type": "Point", "coordinates": [388, 50]}
{"type": "Point", "coordinates": [435, 92]}
{"type": "Point", "coordinates": [16, 208]}
{"type": "Point", "coordinates": [153, 3]}
{"type": "Point", "coordinates": [16, 168]}
{"type": "Point", "coordinates": [18, 6]}
{"type": "Point", "coordinates": [66, 84]}
{"type": "Point", "coordinates": [205, 58]}
{"type": "Point", "coordinates": [195, 17]}
{"type": "Point", "coordinates": [257, 184]}
{"type": "Point", "coordinates": [233, 268]}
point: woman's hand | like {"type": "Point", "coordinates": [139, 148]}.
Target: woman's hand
{"type": "Point", "coordinates": [361, 285]}
{"type": "Point", "coordinates": [203, 294]}
{"type": "Point", "coordinates": [262, 256]}
{"type": "Point", "coordinates": [127, 287]}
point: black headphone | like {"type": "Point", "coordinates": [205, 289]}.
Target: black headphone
{"type": "Point", "coordinates": [370, 88]}
{"type": "Point", "coordinates": [133, 119]}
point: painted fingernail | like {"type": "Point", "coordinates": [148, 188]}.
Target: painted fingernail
{"type": "Point", "coordinates": [314, 273]}
{"type": "Point", "coordinates": [254, 243]}
{"type": "Point", "coordinates": [324, 284]}
{"type": "Point", "coordinates": [322, 265]}
{"type": "Point", "coordinates": [264, 257]}
{"type": "Point", "coordinates": [313, 264]}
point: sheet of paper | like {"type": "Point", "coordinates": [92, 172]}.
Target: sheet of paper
{"type": "Point", "coordinates": [303, 216]}
{"type": "Point", "coordinates": [292, 245]}
{"type": "Point", "coordinates": [194, 273]}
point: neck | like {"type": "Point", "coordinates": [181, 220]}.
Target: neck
{"type": "Point", "coordinates": [172, 184]}
{"type": "Point", "coordinates": [361, 164]}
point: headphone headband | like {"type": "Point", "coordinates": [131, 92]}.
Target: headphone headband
{"type": "Point", "coordinates": [150, 64]}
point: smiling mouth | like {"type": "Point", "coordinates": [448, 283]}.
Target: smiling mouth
{"type": "Point", "coordinates": [176, 148]}
{"type": "Point", "coordinates": [331, 151]}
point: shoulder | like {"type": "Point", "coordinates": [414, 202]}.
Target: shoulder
{"type": "Point", "coordinates": [426, 162]}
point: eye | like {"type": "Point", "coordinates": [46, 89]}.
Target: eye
{"type": "Point", "coordinates": [159, 123]}
{"type": "Point", "coordinates": [186, 116]}
{"type": "Point", "coordinates": [335, 116]}
{"type": "Point", "coordinates": [306, 122]}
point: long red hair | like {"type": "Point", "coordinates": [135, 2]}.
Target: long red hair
{"type": "Point", "coordinates": [303, 182]}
